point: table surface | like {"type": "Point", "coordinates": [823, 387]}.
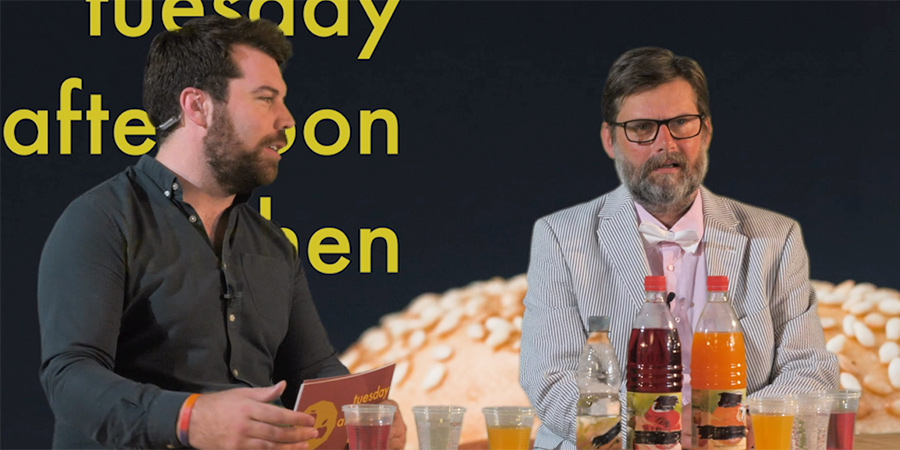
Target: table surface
{"type": "Point", "coordinates": [861, 442]}
{"type": "Point", "coordinates": [876, 441]}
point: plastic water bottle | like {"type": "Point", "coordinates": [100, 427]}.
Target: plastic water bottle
{"type": "Point", "coordinates": [599, 379]}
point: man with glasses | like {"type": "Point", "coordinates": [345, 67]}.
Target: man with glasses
{"type": "Point", "coordinates": [591, 259]}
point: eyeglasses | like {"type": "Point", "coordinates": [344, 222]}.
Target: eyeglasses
{"type": "Point", "coordinates": [644, 131]}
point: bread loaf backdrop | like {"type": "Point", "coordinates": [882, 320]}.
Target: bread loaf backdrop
{"type": "Point", "coordinates": [462, 348]}
{"type": "Point", "coordinates": [459, 348]}
{"type": "Point", "coordinates": [862, 326]}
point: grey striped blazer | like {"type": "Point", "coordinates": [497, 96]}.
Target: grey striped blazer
{"type": "Point", "coordinates": [589, 260]}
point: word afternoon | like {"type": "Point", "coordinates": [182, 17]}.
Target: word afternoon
{"type": "Point", "coordinates": [171, 10]}
{"type": "Point", "coordinates": [135, 124]}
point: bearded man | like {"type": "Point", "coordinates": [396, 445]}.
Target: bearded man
{"type": "Point", "coordinates": [172, 313]}
{"type": "Point", "coordinates": [591, 259]}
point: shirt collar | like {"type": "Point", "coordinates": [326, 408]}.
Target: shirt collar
{"type": "Point", "coordinates": [167, 181]}
{"type": "Point", "coordinates": [691, 220]}
{"type": "Point", "coordinates": [163, 178]}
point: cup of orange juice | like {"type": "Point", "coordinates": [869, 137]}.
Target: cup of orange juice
{"type": "Point", "coordinates": [509, 427]}
{"type": "Point", "coordinates": [773, 421]}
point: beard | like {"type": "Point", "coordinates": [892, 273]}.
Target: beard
{"type": "Point", "coordinates": [663, 193]}
{"type": "Point", "coordinates": [236, 169]}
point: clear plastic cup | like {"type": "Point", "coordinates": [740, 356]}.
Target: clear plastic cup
{"type": "Point", "coordinates": [368, 426]}
{"type": "Point", "coordinates": [842, 421]}
{"type": "Point", "coordinates": [811, 421]}
{"type": "Point", "coordinates": [438, 427]}
{"type": "Point", "coordinates": [773, 421]}
{"type": "Point", "coordinates": [509, 427]}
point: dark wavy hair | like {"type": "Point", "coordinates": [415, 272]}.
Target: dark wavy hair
{"type": "Point", "coordinates": [199, 55]}
{"type": "Point", "coordinates": [645, 68]}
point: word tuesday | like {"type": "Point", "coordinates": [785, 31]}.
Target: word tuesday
{"type": "Point", "coordinates": [171, 11]}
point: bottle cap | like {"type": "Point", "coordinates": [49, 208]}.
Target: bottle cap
{"type": "Point", "coordinates": [717, 284]}
{"type": "Point", "coordinates": [598, 323]}
{"type": "Point", "coordinates": [652, 283]}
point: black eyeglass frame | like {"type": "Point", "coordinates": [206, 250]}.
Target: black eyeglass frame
{"type": "Point", "coordinates": [659, 124]}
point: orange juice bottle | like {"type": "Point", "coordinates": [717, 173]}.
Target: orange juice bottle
{"type": "Point", "coordinates": [719, 373]}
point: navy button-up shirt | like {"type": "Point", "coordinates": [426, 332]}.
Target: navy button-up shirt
{"type": "Point", "coordinates": [137, 311]}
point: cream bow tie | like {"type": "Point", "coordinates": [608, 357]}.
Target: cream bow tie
{"type": "Point", "coordinates": [687, 239]}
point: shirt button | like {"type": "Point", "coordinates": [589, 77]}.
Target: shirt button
{"type": "Point", "coordinates": [235, 372]}
{"type": "Point", "coordinates": [232, 318]}
{"type": "Point", "coordinates": [167, 194]}
{"type": "Point", "coordinates": [174, 186]}
{"type": "Point", "coordinates": [193, 218]}
{"type": "Point", "coordinates": [224, 266]}
{"type": "Point", "coordinates": [671, 267]}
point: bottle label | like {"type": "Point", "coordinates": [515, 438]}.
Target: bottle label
{"type": "Point", "coordinates": [654, 420]}
{"type": "Point", "coordinates": [599, 432]}
{"type": "Point", "coordinates": [719, 419]}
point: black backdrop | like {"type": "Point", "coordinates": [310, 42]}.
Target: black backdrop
{"type": "Point", "coordinates": [498, 112]}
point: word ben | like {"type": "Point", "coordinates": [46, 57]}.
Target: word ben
{"type": "Point", "coordinates": [171, 11]}
{"type": "Point", "coordinates": [333, 241]}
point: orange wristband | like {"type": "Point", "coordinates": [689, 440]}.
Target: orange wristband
{"type": "Point", "coordinates": [185, 421]}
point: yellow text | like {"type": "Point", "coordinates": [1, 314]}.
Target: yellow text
{"type": "Point", "coordinates": [179, 9]}
{"type": "Point", "coordinates": [333, 241]}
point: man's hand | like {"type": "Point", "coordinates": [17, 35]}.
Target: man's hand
{"type": "Point", "coordinates": [397, 438]}
{"type": "Point", "coordinates": [243, 418]}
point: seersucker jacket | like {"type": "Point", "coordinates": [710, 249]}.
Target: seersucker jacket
{"type": "Point", "coordinates": [589, 259]}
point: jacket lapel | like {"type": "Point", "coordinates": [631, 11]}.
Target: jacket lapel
{"type": "Point", "coordinates": [724, 245]}
{"type": "Point", "coordinates": [621, 244]}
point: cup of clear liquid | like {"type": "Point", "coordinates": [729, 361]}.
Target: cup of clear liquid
{"type": "Point", "coordinates": [811, 421]}
{"type": "Point", "coordinates": [438, 427]}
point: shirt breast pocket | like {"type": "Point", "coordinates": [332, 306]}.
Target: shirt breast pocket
{"type": "Point", "coordinates": [269, 285]}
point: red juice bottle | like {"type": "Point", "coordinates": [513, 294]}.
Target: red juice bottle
{"type": "Point", "coordinates": [654, 374]}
